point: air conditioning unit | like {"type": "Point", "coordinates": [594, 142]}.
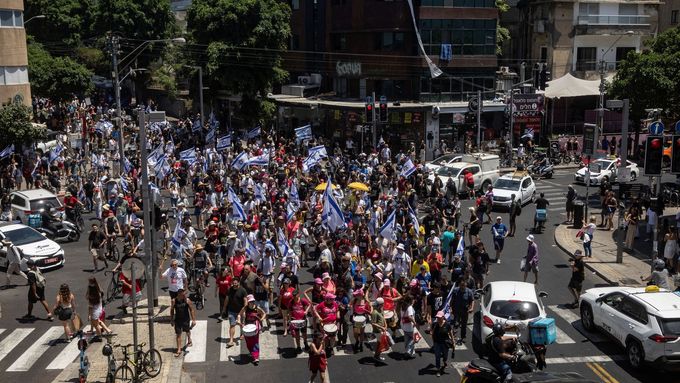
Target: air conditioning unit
{"type": "Point", "coordinates": [304, 80]}
{"type": "Point", "coordinates": [316, 79]}
{"type": "Point", "coordinates": [505, 70]}
{"type": "Point", "coordinates": [435, 112]}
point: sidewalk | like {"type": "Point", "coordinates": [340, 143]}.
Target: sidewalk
{"type": "Point", "coordinates": [636, 263]}
{"type": "Point", "coordinates": [164, 335]}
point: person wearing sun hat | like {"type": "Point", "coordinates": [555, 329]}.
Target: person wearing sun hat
{"type": "Point", "coordinates": [531, 259]}
{"type": "Point", "coordinates": [252, 314]}
{"type": "Point", "coordinates": [442, 340]}
{"type": "Point", "coordinates": [326, 312]}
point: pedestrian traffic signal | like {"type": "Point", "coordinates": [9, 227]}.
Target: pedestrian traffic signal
{"type": "Point", "coordinates": [383, 111]}
{"type": "Point", "coordinates": [675, 155]}
{"type": "Point", "coordinates": [369, 111]}
{"type": "Point", "coordinates": [653, 155]}
{"type": "Point", "coordinates": [544, 77]}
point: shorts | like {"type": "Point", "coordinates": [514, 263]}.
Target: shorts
{"type": "Point", "coordinates": [498, 243]}
{"type": "Point", "coordinates": [127, 298]}
{"type": "Point", "coordinates": [531, 267]}
{"type": "Point", "coordinates": [40, 295]}
{"type": "Point", "coordinates": [66, 313]}
{"type": "Point", "coordinates": [182, 327]}
{"type": "Point", "coordinates": [97, 254]}
{"type": "Point", "coordinates": [232, 318]}
{"type": "Point", "coordinates": [173, 294]}
{"type": "Point", "coordinates": [570, 206]}
{"type": "Point", "coordinates": [575, 284]}
{"type": "Point", "coordinates": [264, 305]}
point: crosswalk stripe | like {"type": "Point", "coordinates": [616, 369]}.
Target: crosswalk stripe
{"type": "Point", "coordinates": [232, 353]}
{"type": "Point", "coordinates": [65, 357]}
{"type": "Point", "coordinates": [33, 353]}
{"type": "Point", "coordinates": [224, 339]}
{"type": "Point", "coordinates": [199, 336]}
{"type": "Point", "coordinates": [269, 344]}
{"type": "Point", "coordinates": [12, 340]}
{"type": "Point", "coordinates": [575, 321]}
{"type": "Point", "coordinates": [460, 366]}
{"type": "Point", "coordinates": [562, 337]}
{"type": "Point", "coordinates": [2, 330]}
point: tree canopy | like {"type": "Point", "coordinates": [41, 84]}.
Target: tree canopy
{"type": "Point", "coordinates": [651, 78]}
{"type": "Point", "coordinates": [242, 42]}
{"type": "Point", "coordinates": [56, 77]}
{"type": "Point", "coordinates": [16, 127]}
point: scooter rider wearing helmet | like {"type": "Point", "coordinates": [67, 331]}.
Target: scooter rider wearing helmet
{"type": "Point", "coordinates": [501, 351]}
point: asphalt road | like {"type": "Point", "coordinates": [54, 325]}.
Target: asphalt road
{"type": "Point", "coordinates": [29, 351]}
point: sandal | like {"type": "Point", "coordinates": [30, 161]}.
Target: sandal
{"type": "Point", "coordinates": [190, 344]}
{"type": "Point", "coordinates": [178, 354]}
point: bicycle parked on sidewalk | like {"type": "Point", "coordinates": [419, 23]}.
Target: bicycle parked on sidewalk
{"type": "Point", "coordinates": [143, 363]}
{"type": "Point", "coordinates": [115, 287]}
{"type": "Point", "coordinates": [107, 351]}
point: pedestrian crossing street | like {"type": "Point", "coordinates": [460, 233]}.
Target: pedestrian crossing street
{"type": "Point", "coordinates": [26, 348]}
{"type": "Point", "coordinates": [554, 193]}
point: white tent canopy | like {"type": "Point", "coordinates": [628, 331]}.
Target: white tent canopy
{"type": "Point", "coordinates": [570, 86]}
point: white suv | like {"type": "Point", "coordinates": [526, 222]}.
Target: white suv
{"type": "Point", "coordinates": [646, 321]}
{"type": "Point", "coordinates": [27, 202]}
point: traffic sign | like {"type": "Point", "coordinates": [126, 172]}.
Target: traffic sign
{"type": "Point", "coordinates": [656, 128]}
{"type": "Point", "coordinates": [473, 105]}
{"type": "Point", "coordinates": [677, 127]}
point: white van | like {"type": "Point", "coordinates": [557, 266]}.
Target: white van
{"type": "Point", "coordinates": [27, 202]}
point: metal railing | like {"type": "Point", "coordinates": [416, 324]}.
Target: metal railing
{"type": "Point", "coordinates": [613, 20]}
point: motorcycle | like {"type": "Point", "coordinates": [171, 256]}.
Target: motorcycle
{"type": "Point", "coordinates": [61, 230]}
{"type": "Point", "coordinates": [540, 171]}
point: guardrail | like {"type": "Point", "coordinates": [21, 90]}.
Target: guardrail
{"type": "Point", "coordinates": [613, 20]}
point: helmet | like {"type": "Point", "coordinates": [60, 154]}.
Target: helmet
{"type": "Point", "coordinates": [107, 350]}
{"type": "Point", "coordinates": [498, 329]}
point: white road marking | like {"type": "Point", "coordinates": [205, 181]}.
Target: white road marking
{"type": "Point", "coordinates": [33, 353]}
{"type": "Point", "coordinates": [573, 319]}
{"type": "Point", "coordinates": [232, 353]}
{"type": "Point", "coordinates": [562, 337]}
{"type": "Point", "coordinates": [224, 339]}
{"type": "Point", "coordinates": [2, 330]}
{"type": "Point", "coordinates": [12, 340]}
{"type": "Point", "coordinates": [65, 357]}
{"type": "Point", "coordinates": [196, 353]}
{"type": "Point", "coordinates": [269, 344]}
{"type": "Point", "coordinates": [460, 366]}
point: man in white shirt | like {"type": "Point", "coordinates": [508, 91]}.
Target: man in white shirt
{"type": "Point", "coordinates": [652, 219]}
{"type": "Point", "coordinates": [13, 262]}
{"type": "Point", "coordinates": [177, 278]}
{"type": "Point", "coordinates": [401, 262]}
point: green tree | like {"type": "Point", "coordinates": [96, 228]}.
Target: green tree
{"type": "Point", "coordinates": [245, 40]}
{"type": "Point", "coordinates": [56, 77]}
{"type": "Point", "coordinates": [502, 33]}
{"type": "Point", "coordinates": [66, 22]}
{"type": "Point", "coordinates": [16, 127]}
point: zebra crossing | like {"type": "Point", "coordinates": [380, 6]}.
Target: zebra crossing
{"type": "Point", "coordinates": [554, 193]}
{"type": "Point", "coordinates": [26, 348]}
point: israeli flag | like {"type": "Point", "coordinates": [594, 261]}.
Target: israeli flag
{"type": "Point", "coordinates": [156, 155]}
{"type": "Point", "coordinates": [178, 235]}
{"type": "Point", "coordinates": [103, 127]}
{"type": "Point", "coordinates": [294, 195]}
{"type": "Point", "coordinates": [188, 155]}
{"type": "Point", "coordinates": [332, 215]}
{"type": "Point", "coordinates": [196, 126]}
{"type": "Point", "coordinates": [460, 249]}
{"type": "Point", "coordinates": [261, 160]}
{"type": "Point", "coordinates": [251, 250]}
{"type": "Point", "coordinates": [213, 121]}
{"type": "Point", "coordinates": [387, 229]}
{"type": "Point", "coordinates": [447, 306]}
{"type": "Point", "coordinates": [224, 142]}
{"type": "Point", "coordinates": [155, 191]}
{"type": "Point", "coordinates": [240, 162]}
{"type": "Point", "coordinates": [528, 133]}
{"type": "Point", "coordinates": [54, 153]}
{"type": "Point", "coordinates": [6, 152]}
{"type": "Point", "coordinates": [237, 207]}
{"type": "Point", "coordinates": [34, 173]}
{"type": "Point", "coordinates": [124, 184]}
{"type": "Point", "coordinates": [127, 165]}
{"type": "Point", "coordinates": [414, 219]}
{"type": "Point", "coordinates": [291, 209]}
{"type": "Point", "coordinates": [81, 194]}
{"type": "Point", "coordinates": [315, 155]}
{"type": "Point", "coordinates": [259, 193]}
{"type": "Point", "coordinates": [407, 169]}
{"type": "Point", "coordinates": [210, 137]}
{"type": "Point", "coordinates": [319, 151]}
{"type": "Point", "coordinates": [254, 132]}
{"type": "Point", "coordinates": [282, 241]}
{"type": "Point", "coordinates": [303, 133]}
{"type": "Point", "coordinates": [162, 169]}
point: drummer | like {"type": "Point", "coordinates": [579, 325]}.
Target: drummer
{"type": "Point", "coordinates": [390, 295]}
{"type": "Point", "coordinates": [299, 308]}
{"type": "Point", "coordinates": [285, 298]}
{"type": "Point", "coordinates": [252, 315]}
{"type": "Point", "coordinates": [317, 296]}
{"type": "Point", "coordinates": [361, 308]}
{"type": "Point", "coordinates": [326, 314]}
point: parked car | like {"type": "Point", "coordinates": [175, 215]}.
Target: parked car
{"type": "Point", "coordinates": [519, 183]}
{"type": "Point", "coordinates": [604, 169]}
{"type": "Point", "coordinates": [644, 320]}
{"type": "Point", "coordinates": [446, 159]}
{"type": "Point", "coordinates": [27, 202]}
{"type": "Point", "coordinates": [46, 253]}
{"type": "Point", "coordinates": [485, 169]}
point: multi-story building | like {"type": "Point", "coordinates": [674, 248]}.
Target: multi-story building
{"type": "Point", "coordinates": [669, 15]}
{"type": "Point", "coordinates": [14, 83]}
{"type": "Point", "coordinates": [577, 36]}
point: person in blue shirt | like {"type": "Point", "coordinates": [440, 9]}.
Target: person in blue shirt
{"type": "Point", "coordinates": [499, 232]}
{"type": "Point", "coordinates": [424, 278]}
{"type": "Point", "coordinates": [463, 303]}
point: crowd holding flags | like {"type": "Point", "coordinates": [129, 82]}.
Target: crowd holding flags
{"type": "Point", "coordinates": [6, 152]}
{"type": "Point", "coordinates": [223, 143]}
{"type": "Point", "coordinates": [407, 169]}
{"type": "Point", "coordinates": [332, 215]}
{"type": "Point", "coordinates": [240, 162]}
{"type": "Point", "coordinates": [303, 133]}
{"type": "Point", "coordinates": [237, 208]}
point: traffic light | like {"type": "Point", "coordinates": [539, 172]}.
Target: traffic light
{"type": "Point", "coordinates": [675, 155]}
{"type": "Point", "coordinates": [383, 111]}
{"type": "Point", "coordinates": [653, 155]}
{"type": "Point", "coordinates": [369, 110]}
{"type": "Point", "coordinates": [544, 77]}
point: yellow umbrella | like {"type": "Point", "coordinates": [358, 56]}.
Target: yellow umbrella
{"type": "Point", "coordinates": [322, 186]}
{"type": "Point", "coordinates": [358, 186]}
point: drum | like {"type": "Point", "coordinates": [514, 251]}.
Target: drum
{"type": "Point", "coordinates": [390, 318]}
{"type": "Point", "coordinates": [250, 330]}
{"type": "Point", "coordinates": [359, 321]}
{"type": "Point", "coordinates": [298, 323]}
{"type": "Point", "coordinates": [330, 329]}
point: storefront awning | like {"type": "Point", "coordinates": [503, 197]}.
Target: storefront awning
{"type": "Point", "coordinates": [570, 86]}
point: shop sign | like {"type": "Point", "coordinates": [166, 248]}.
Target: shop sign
{"type": "Point", "coordinates": [528, 104]}
{"type": "Point", "coordinates": [407, 118]}
{"type": "Point", "coordinates": [336, 114]}
{"type": "Point", "coordinates": [417, 117]}
{"type": "Point", "coordinates": [348, 69]}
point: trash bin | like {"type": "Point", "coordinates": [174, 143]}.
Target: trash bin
{"type": "Point", "coordinates": [579, 211]}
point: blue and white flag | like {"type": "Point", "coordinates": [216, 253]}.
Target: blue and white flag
{"type": "Point", "coordinates": [460, 249]}
{"type": "Point", "coordinates": [127, 165]}
{"type": "Point", "coordinates": [196, 126]}
{"type": "Point", "coordinates": [252, 133]}
{"type": "Point", "coordinates": [156, 155]}
{"type": "Point", "coordinates": [387, 230]}
{"type": "Point", "coordinates": [178, 235]}
{"type": "Point", "coordinates": [407, 169]}
{"type": "Point", "coordinates": [34, 173]}
{"type": "Point", "coordinates": [261, 160]}
{"type": "Point", "coordinates": [124, 185]}
{"type": "Point", "coordinates": [210, 137]}
{"type": "Point", "coordinates": [162, 169]}
{"type": "Point", "coordinates": [223, 143]}
{"type": "Point", "coordinates": [282, 241]}
{"type": "Point", "coordinates": [81, 194]}
{"type": "Point", "coordinates": [251, 250]}
{"type": "Point", "coordinates": [294, 195]}
{"type": "Point", "coordinates": [528, 133]}
{"type": "Point", "coordinates": [214, 124]}
{"type": "Point", "coordinates": [103, 127]}
{"type": "Point", "coordinates": [291, 209]}
{"type": "Point", "coordinates": [303, 133]}
{"type": "Point", "coordinates": [240, 162]}
{"type": "Point", "coordinates": [447, 306]}
{"type": "Point", "coordinates": [237, 208]}
{"type": "Point", "coordinates": [56, 151]}
{"type": "Point", "coordinates": [314, 157]}
{"type": "Point", "coordinates": [259, 193]}
{"type": "Point", "coordinates": [414, 219]}
{"type": "Point", "coordinates": [155, 192]}
{"type": "Point", "coordinates": [188, 155]}
{"type": "Point", "coordinates": [6, 152]}
{"type": "Point", "coordinates": [319, 150]}
{"type": "Point", "coordinates": [332, 215]}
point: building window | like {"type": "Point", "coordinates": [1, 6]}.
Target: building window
{"type": "Point", "coordinates": [459, 3]}
{"type": "Point", "coordinates": [339, 42]}
{"type": "Point", "coordinates": [622, 52]}
{"type": "Point", "coordinates": [390, 41]}
{"type": "Point", "coordinates": [586, 58]}
{"type": "Point", "coordinates": [294, 42]}
{"type": "Point", "coordinates": [544, 54]}
{"type": "Point", "coordinates": [13, 75]}
{"type": "Point", "coordinates": [295, 4]}
{"type": "Point", "coordinates": [467, 37]}
{"type": "Point", "coordinates": [674, 16]}
{"type": "Point", "coordinates": [588, 9]}
{"type": "Point", "coordinates": [628, 9]}
{"type": "Point", "coordinates": [11, 19]}
{"type": "Point", "coordinates": [453, 88]}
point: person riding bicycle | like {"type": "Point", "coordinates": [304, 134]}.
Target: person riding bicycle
{"type": "Point", "coordinates": [541, 204]}
{"type": "Point", "coordinates": [70, 205]}
{"type": "Point", "coordinates": [202, 264]}
{"type": "Point", "coordinates": [501, 353]}
{"type": "Point", "coordinates": [111, 228]}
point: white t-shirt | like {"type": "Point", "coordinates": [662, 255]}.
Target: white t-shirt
{"type": "Point", "coordinates": [175, 278]}
{"type": "Point", "coordinates": [406, 323]}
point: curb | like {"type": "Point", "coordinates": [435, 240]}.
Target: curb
{"type": "Point", "coordinates": [586, 264]}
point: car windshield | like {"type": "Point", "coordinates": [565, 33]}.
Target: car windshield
{"type": "Point", "coordinates": [44, 203]}
{"type": "Point", "coordinates": [23, 236]}
{"type": "Point", "coordinates": [513, 309]}
{"type": "Point", "coordinates": [670, 326]}
{"type": "Point", "coordinates": [506, 183]}
{"type": "Point", "coordinates": [596, 167]}
{"type": "Point", "coordinates": [448, 171]}
{"type": "Point", "coordinates": [443, 159]}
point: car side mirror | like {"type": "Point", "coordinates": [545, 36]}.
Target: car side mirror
{"type": "Point", "coordinates": [542, 294]}
{"type": "Point", "coordinates": [598, 300]}
{"type": "Point", "coordinates": [44, 234]}
{"type": "Point", "coordinates": [476, 296]}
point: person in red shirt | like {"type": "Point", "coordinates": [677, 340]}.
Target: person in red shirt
{"type": "Point", "coordinates": [70, 203]}
{"type": "Point", "coordinates": [285, 298]}
{"type": "Point", "coordinates": [299, 308]}
{"type": "Point", "coordinates": [237, 263]}
{"type": "Point", "coordinates": [222, 286]}
{"type": "Point", "coordinates": [127, 291]}
{"type": "Point", "coordinates": [436, 262]}
{"type": "Point", "coordinates": [292, 227]}
{"type": "Point", "coordinates": [390, 295]}
{"type": "Point", "coordinates": [326, 313]}
{"type": "Point", "coordinates": [373, 255]}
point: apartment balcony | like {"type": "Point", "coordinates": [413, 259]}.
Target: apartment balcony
{"type": "Point", "coordinates": [603, 24]}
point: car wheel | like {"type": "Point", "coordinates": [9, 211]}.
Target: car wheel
{"type": "Point", "coordinates": [587, 317]}
{"type": "Point", "coordinates": [633, 176]}
{"type": "Point", "coordinates": [635, 353]}
{"type": "Point", "coordinates": [533, 197]}
{"type": "Point", "coordinates": [605, 179]}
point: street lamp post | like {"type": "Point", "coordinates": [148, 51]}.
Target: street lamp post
{"type": "Point", "coordinates": [200, 94]}
{"type": "Point", "coordinates": [35, 17]}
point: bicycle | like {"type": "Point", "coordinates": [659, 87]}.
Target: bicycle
{"type": "Point", "coordinates": [148, 363]}
{"type": "Point", "coordinates": [112, 253]}
{"type": "Point", "coordinates": [198, 288]}
{"type": "Point", "coordinates": [115, 287]}
{"type": "Point", "coordinates": [107, 351]}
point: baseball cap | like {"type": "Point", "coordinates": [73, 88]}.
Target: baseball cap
{"type": "Point", "coordinates": [318, 281]}
{"type": "Point", "coordinates": [440, 314]}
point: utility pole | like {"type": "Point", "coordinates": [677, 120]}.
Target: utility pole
{"type": "Point", "coordinates": [624, 160]}
{"type": "Point", "coordinates": [200, 94]}
{"type": "Point", "coordinates": [512, 118]}
{"type": "Point", "coordinates": [479, 121]}
{"type": "Point", "coordinates": [600, 111]}
{"type": "Point", "coordinates": [114, 45]}
{"type": "Point", "coordinates": [375, 123]}
{"type": "Point", "coordinates": [147, 204]}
